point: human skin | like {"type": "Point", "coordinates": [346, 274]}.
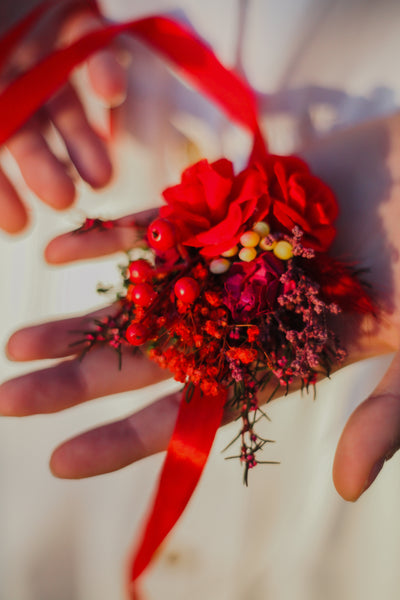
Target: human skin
{"type": "Point", "coordinates": [51, 178]}
{"type": "Point", "coordinates": [362, 166]}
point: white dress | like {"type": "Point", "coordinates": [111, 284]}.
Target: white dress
{"type": "Point", "coordinates": [316, 65]}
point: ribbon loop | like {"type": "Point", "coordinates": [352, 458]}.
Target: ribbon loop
{"type": "Point", "coordinates": [190, 55]}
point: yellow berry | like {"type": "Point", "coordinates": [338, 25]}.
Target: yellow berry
{"type": "Point", "coordinates": [262, 228]}
{"type": "Point", "coordinates": [249, 239]}
{"type": "Point", "coordinates": [266, 245]}
{"type": "Point", "coordinates": [219, 265]}
{"type": "Point", "coordinates": [231, 252]}
{"type": "Point", "coordinates": [283, 250]}
{"type": "Point", "coordinates": [247, 254]}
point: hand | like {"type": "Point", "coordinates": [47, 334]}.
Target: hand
{"type": "Point", "coordinates": [45, 174]}
{"type": "Point", "coordinates": [361, 165]}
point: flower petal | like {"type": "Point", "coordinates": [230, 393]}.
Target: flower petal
{"type": "Point", "coordinates": [319, 194]}
{"type": "Point", "coordinates": [221, 232]}
{"type": "Point", "coordinates": [287, 216]}
{"type": "Point", "coordinates": [217, 249]}
{"type": "Point", "coordinates": [187, 224]}
{"type": "Point", "coordinates": [249, 184]}
{"type": "Point", "coordinates": [187, 196]}
{"type": "Point", "coordinates": [216, 180]}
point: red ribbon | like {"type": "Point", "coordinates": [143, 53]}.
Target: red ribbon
{"type": "Point", "coordinates": [187, 453]}
{"type": "Point", "coordinates": [197, 61]}
{"type": "Point", "coordinates": [199, 419]}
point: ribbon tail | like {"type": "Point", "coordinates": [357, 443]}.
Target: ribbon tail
{"type": "Point", "coordinates": [197, 423]}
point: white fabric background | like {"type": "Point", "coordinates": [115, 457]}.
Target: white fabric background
{"type": "Point", "coordinates": [316, 65]}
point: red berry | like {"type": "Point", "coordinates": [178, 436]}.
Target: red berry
{"type": "Point", "coordinates": [140, 271]}
{"type": "Point", "coordinates": [142, 294]}
{"type": "Point", "coordinates": [161, 235]}
{"type": "Point", "coordinates": [136, 334]}
{"type": "Point", "coordinates": [187, 289]}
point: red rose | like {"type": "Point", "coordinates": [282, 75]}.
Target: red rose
{"type": "Point", "coordinates": [300, 198]}
{"type": "Point", "coordinates": [211, 205]}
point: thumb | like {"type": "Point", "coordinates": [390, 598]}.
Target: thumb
{"type": "Point", "coordinates": [371, 436]}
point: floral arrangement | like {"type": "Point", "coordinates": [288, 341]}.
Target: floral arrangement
{"type": "Point", "coordinates": [235, 290]}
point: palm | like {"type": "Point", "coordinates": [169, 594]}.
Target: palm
{"type": "Point", "coordinates": [360, 166]}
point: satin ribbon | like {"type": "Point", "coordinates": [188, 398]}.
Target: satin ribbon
{"type": "Point", "coordinates": [187, 453]}
{"type": "Point", "coordinates": [199, 419]}
{"type": "Point", "coordinates": [176, 43]}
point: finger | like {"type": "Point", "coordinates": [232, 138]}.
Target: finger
{"type": "Point", "coordinates": [107, 77]}
{"type": "Point", "coordinates": [116, 445]}
{"type": "Point", "coordinates": [371, 436]}
{"type": "Point", "coordinates": [72, 382]}
{"type": "Point", "coordinates": [13, 215]}
{"type": "Point", "coordinates": [86, 150]}
{"type": "Point", "coordinates": [44, 174]}
{"type": "Point", "coordinates": [55, 339]}
{"type": "Point", "coordinates": [73, 246]}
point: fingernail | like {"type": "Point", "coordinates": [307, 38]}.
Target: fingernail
{"type": "Point", "coordinates": [118, 99]}
{"type": "Point", "coordinates": [112, 101]}
{"type": "Point", "coordinates": [373, 474]}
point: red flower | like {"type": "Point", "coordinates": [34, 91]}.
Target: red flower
{"type": "Point", "coordinates": [211, 206]}
{"type": "Point", "coordinates": [251, 288]}
{"type": "Point", "coordinates": [244, 355]}
{"type": "Point", "coordinates": [253, 333]}
{"type": "Point", "coordinates": [300, 198]}
{"type": "Point", "coordinates": [340, 285]}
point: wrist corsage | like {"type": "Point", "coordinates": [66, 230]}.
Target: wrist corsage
{"type": "Point", "coordinates": [234, 292]}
